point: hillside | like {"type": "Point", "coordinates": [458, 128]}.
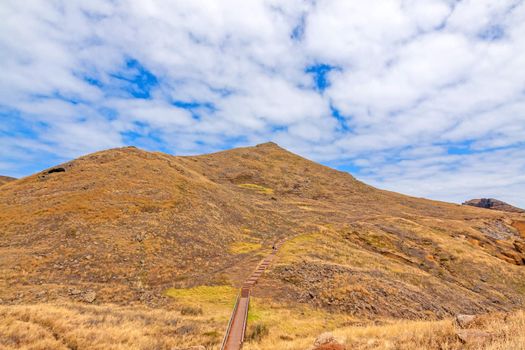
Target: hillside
{"type": "Point", "coordinates": [123, 226]}
{"type": "Point", "coordinates": [5, 179]}
{"type": "Point", "coordinates": [491, 203]}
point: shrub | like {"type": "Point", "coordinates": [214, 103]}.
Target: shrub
{"type": "Point", "coordinates": [258, 331]}
{"type": "Point", "coordinates": [191, 310]}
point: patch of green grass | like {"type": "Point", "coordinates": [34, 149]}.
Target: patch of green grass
{"type": "Point", "coordinates": [204, 295]}
{"type": "Point", "coordinates": [254, 312]}
{"type": "Point", "coordinates": [300, 245]}
{"type": "Point", "coordinates": [257, 188]}
{"type": "Point", "coordinates": [244, 247]}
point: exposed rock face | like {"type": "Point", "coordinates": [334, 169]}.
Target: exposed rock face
{"type": "Point", "coordinates": [491, 203]}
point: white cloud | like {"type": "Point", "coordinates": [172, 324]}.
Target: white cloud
{"type": "Point", "coordinates": [412, 80]}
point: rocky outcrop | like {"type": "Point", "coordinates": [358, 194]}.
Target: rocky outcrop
{"type": "Point", "coordinates": [494, 204]}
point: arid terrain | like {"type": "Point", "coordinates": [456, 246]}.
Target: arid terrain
{"type": "Point", "coordinates": [6, 179]}
{"type": "Point", "coordinates": [131, 249]}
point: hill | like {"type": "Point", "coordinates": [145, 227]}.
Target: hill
{"type": "Point", "coordinates": [5, 179]}
{"type": "Point", "coordinates": [130, 227]}
{"type": "Point", "coordinates": [491, 203]}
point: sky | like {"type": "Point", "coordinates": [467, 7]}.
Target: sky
{"type": "Point", "coordinates": [423, 97]}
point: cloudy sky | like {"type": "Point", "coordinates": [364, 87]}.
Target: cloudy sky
{"type": "Point", "coordinates": [424, 97]}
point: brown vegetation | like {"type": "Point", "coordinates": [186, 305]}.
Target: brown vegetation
{"type": "Point", "coordinates": [74, 326]}
{"type": "Point", "coordinates": [6, 179]}
{"type": "Point", "coordinates": [123, 226]}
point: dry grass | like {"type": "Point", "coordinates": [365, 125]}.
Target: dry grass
{"type": "Point", "coordinates": [128, 224]}
{"type": "Point", "coordinates": [361, 269]}
{"type": "Point", "coordinates": [6, 179]}
{"type": "Point", "coordinates": [272, 326]}
{"type": "Point", "coordinates": [290, 326]}
{"type": "Point", "coordinates": [73, 326]}
{"type": "Point", "coordinates": [506, 330]}
{"type": "Point", "coordinates": [289, 331]}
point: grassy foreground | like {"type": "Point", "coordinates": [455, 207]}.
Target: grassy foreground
{"type": "Point", "coordinates": [271, 326]}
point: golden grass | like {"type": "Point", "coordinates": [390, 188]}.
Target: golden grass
{"type": "Point", "coordinates": [257, 188]}
{"type": "Point", "coordinates": [297, 330]}
{"type": "Point", "coordinates": [290, 327]}
{"type": "Point", "coordinates": [74, 326]}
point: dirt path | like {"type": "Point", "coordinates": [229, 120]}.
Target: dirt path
{"type": "Point", "coordinates": [234, 336]}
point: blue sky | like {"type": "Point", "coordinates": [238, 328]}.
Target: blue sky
{"type": "Point", "coordinates": [423, 97]}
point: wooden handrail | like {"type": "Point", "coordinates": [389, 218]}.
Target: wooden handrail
{"type": "Point", "coordinates": [245, 318]}
{"type": "Point", "coordinates": [230, 322]}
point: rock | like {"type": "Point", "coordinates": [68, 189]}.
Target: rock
{"type": "Point", "coordinates": [74, 291]}
{"type": "Point", "coordinates": [491, 203]}
{"type": "Point", "coordinates": [483, 278]}
{"type": "Point", "coordinates": [464, 321]}
{"type": "Point", "coordinates": [89, 296]}
{"type": "Point", "coordinates": [54, 170]}
{"type": "Point", "coordinates": [473, 336]}
{"type": "Point", "coordinates": [325, 338]}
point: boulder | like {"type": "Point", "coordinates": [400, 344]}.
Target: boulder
{"type": "Point", "coordinates": [473, 336]}
{"type": "Point", "coordinates": [327, 341]}
{"type": "Point", "coordinates": [464, 321]}
{"type": "Point", "coordinates": [89, 296]}
{"type": "Point", "coordinates": [74, 291]}
{"type": "Point", "coordinates": [325, 338]}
